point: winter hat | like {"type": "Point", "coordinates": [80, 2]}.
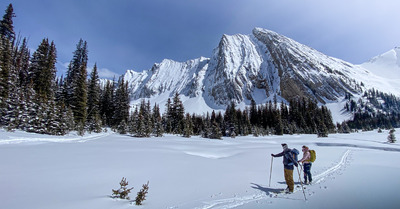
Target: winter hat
{"type": "Point", "coordinates": [284, 146]}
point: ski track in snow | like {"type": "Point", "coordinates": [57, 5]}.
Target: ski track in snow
{"type": "Point", "coordinates": [320, 177]}
{"type": "Point", "coordinates": [239, 201]}
{"type": "Point", "coordinates": [18, 140]}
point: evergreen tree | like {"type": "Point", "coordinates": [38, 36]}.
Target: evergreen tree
{"type": "Point", "coordinates": [188, 126]}
{"type": "Point", "coordinates": [278, 125]}
{"type": "Point", "coordinates": [76, 84]}
{"type": "Point", "coordinates": [6, 24]}
{"type": "Point", "coordinates": [121, 102]}
{"type": "Point", "coordinates": [22, 58]}
{"type": "Point", "coordinates": [178, 114]}
{"type": "Point", "coordinates": [94, 119]}
{"type": "Point", "coordinates": [133, 120]}
{"type": "Point", "coordinates": [230, 119]}
{"type": "Point", "coordinates": [168, 116]}
{"type": "Point", "coordinates": [43, 70]}
{"type": "Point", "coordinates": [215, 131]}
{"type": "Point", "coordinates": [392, 137]}
{"type": "Point", "coordinates": [122, 127]}
{"type": "Point", "coordinates": [253, 113]}
{"type": "Point", "coordinates": [5, 68]}
{"type": "Point", "coordinates": [107, 106]}
{"type": "Point", "coordinates": [158, 126]}
{"type": "Point", "coordinates": [140, 126]}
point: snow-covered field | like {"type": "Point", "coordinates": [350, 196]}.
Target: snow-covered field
{"type": "Point", "coordinates": [357, 170]}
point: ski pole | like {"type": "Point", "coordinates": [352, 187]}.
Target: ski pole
{"type": "Point", "coordinates": [270, 171]}
{"type": "Point", "coordinates": [301, 184]}
{"type": "Point", "coordinates": [301, 171]}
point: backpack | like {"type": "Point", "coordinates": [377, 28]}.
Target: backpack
{"type": "Point", "coordinates": [313, 155]}
{"type": "Point", "coordinates": [294, 152]}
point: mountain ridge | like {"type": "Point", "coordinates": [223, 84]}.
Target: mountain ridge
{"type": "Point", "coordinates": [261, 66]}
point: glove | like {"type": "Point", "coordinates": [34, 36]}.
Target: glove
{"type": "Point", "coordinates": [296, 164]}
{"type": "Point", "coordinates": [272, 155]}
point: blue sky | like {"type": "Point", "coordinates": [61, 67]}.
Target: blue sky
{"type": "Point", "coordinates": [135, 34]}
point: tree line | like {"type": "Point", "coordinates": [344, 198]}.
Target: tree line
{"type": "Point", "coordinates": [33, 99]}
{"type": "Point", "coordinates": [373, 110]}
{"type": "Point", "coordinates": [302, 116]}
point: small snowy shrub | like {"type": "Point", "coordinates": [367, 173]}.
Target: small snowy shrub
{"type": "Point", "coordinates": [391, 138]}
{"type": "Point", "coordinates": [141, 195]}
{"type": "Point", "coordinates": [123, 192]}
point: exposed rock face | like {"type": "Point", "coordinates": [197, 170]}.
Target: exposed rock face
{"type": "Point", "coordinates": [304, 71]}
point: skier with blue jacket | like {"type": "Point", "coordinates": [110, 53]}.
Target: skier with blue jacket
{"type": "Point", "coordinates": [288, 162]}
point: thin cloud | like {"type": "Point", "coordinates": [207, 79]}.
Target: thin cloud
{"type": "Point", "coordinates": [106, 73]}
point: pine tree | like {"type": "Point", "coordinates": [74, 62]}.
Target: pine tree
{"type": "Point", "coordinates": [121, 102]}
{"type": "Point", "coordinates": [168, 116]}
{"type": "Point", "coordinates": [22, 58]}
{"type": "Point", "coordinates": [140, 126]}
{"type": "Point", "coordinates": [94, 119]}
{"type": "Point", "coordinates": [178, 114]}
{"type": "Point", "coordinates": [141, 195]}
{"type": "Point", "coordinates": [188, 126]}
{"type": "Point", "coordinates": [278, 125]}
{"type": "Point", "coordinates": [5, 68]}
{"type": "Point", "coordinates": [215, 131]}
{"type": "Point", "coordinates": [107, 105]}
{"type": "Point", "coordinates": [253, 113]}
{"type": "Point", "coordinates": [43, 71]}
{"type": "Point", "coordinates": [76, 84]}
{"type": "Point", "coordinates": [122, 127]}
{"type": "Point", "coordinates": [133, 120]}
{"type": "Point", "coordinates": [6, 24]}
{"type": "Point", "coordinates": [230, 118]}
{"type": "Point", "coordinates": [158, 126]}
{"type": "Point", "coordinates": [123, 191]}
{"type": "Point", "coordinates": [392, 137]}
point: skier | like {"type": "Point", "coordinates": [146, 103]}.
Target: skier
{"type": "Point", "coordinates": [306, 161]}
{"type": "Point", "coordinates": [288, 162]}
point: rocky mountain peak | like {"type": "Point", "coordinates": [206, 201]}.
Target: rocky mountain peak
{"type": "Point", "coordinates": [260, 66]}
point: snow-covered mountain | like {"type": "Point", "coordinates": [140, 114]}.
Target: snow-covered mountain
{"type": "Point", "coordinates": [386, 65]}
{"type": "Point", "coordinates": [259, 66]}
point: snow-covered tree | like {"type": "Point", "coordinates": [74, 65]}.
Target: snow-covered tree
{"type": "Point", "coordinates": [392, 137]}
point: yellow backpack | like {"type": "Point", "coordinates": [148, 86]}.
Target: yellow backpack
{"type": "Point", "coordinates": [313, 155]}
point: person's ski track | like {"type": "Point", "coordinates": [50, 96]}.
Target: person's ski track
{"type": "Point", "coordinates": [239, 201]}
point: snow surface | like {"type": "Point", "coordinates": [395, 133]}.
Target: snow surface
{"type": "Point", "coordinates": [358, 170]}
{"type": "Point", "coordinates": [386, 65]}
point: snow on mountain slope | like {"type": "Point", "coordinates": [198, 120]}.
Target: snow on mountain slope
{"type": "Point", "coordinates": [386, 65]}
{"type": "Point", "coordinates": [261, 66]}
{"type": "Point", "coordinates": [238, 70]}
{"type": "Point", "coordinates": [167, 76]}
